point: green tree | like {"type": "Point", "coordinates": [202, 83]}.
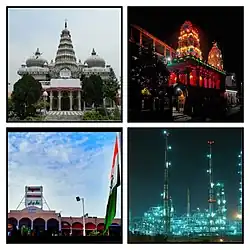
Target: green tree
{"type": "Point", "coordinates": [94, 116]}
{"type": "Point", "coordinates": [10, 108]}
{"type": "Point", "coordinates": [27, 92]}
{"type": "Point", "coordinates": [146, 70]}
{"type": "Point", "coordinates": [88, 90]}
{"type": "Point", "coordinates": [111, 88]}
{"type": "Point", "coordinates": [93, 90]}
{"type": "Point", "coordinates": [115, 114]}
{"type": "Point", "coordinates": [41, 104]}
{"type": "Point", "coordinates": [94, 233]}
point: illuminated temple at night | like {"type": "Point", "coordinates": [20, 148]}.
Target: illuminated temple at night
{"type": "Point", "coordinates": [212, 221]}
{"type": "Point", "coordinates": [198, 78]}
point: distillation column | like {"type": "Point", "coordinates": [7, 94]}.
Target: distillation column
{"type": "Point", "coordinates": [166, 197]}
{"type": "Point", "coordinates": [211, 199]}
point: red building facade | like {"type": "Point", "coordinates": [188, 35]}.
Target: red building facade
{"type": "Point", "coordinates": [191, 72]}
{"type": "Point", "coordinates": [43, 220]}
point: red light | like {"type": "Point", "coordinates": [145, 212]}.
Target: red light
{"type": "Point", "coordinates": [210, 142]}
{"type": "Point", "coordinates": [211, 201]}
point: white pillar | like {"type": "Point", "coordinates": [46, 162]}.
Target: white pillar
{"type": "Point", "coordinates": [83, 218]}
{"type": "Point", "coordinates": [31, 225]}
{"type": "Point", "coordinates": [50, 100]}
{"type": "Point", "coordinates": [70, 100]}
{"type": "Point", "coordinates": [46, 225]}
{"type": "Point", "coordinates": [17, 224]}
{"type": "Point", "coordinates": [79, 100]}
{"type": "Point", "coordinates": [60, 225]}
{"type": "Point", "coordinates": [59, 100]}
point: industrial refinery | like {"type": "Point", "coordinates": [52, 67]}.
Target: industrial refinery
{"type": "Point", "coordinates": [213, 222]}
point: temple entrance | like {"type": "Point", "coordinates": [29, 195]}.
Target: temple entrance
{"type": "Point", "coordinates": [65, 102]}
{"type": "Point", "coordinates": [75, 101]}
{"type": "Point", "coordinates": [180, 96]}
{"type": "Point", "coordinates": [55, 101]}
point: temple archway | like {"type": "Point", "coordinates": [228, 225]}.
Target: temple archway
{"type": "Point", "coordinates": [75, 100]}
{"type": "Point", "coordinates": [39, 224]}
{"type": "Point", "coordinates": [52, 225]}
{"type": "Point", "coordinates": [180, 95]}
{"type": "Point", "coordinates": [55, 101]}
{"type": "Point", "coordinates": [65, 102]}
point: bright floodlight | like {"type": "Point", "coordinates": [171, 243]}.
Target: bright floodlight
{"type": "Point", "coordinates": [169, 58]}
{"type": "Point", "coordinates": [239, 216]}
{"type": "Point", "coordinates": [164, 132]}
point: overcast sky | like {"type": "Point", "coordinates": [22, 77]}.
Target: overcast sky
{"type": "Point", "coordinates": [29, 29]}
{"type": "Point", "coordinates": [66, 165]}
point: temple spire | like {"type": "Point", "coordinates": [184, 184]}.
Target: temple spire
{"type": "Point", "coordinates": [93, 52]}
{"type": "Point", "coordinates": [65, 50]}
{"type": "Point", "coordinates": [37, 53]}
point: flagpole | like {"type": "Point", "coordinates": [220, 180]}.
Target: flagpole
{"type": "Point", "coordinates": [115, 172]}
{"type": "Point", "coordinates": [83, 217]}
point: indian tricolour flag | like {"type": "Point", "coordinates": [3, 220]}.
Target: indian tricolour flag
{"type": "Point", "coordinates": [115, 182]}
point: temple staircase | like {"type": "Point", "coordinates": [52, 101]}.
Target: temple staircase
{"type": "Point", "coordinates": [64, 116]}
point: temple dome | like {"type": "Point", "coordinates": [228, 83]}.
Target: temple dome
{"type": "Point", "coordinates": [95, 61]}
{"type": "Point", "coordinates": [36, 60]}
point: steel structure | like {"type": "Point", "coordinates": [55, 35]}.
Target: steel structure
{"type": "Point", "coordinates": [211, 198]}
{"type": "Point", "coordinates": [221, 210]}
{"type": "Point", "coordinates": [166, 196]}
{"type": "Point", "coordinates": [240, 185]}
{"type": "Point", "coordinates": [239, 214]}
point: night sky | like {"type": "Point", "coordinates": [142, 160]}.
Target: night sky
{"type": "Point", "coordinates": [221, 24]}
{"type": "Point", "coordinates": [188, 170]}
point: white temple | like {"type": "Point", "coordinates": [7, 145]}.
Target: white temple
{"type": "Point", "coordinates": [61, 79]}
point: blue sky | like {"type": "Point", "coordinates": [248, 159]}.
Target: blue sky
{"type": "Point", "coordinates": [66, 165]}
{"type": "Point", "coordinates": [29, 29]}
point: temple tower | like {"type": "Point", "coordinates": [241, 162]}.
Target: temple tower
{"type": "Point", "coordinates": [189, 42]}
{"type": "Point", "coordinates": [65, 62]}
{"type": "Point", "coordinates": [215, 57]}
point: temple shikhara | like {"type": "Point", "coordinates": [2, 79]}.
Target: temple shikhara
{"type": "Point", "coordinates": [60, 79]}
